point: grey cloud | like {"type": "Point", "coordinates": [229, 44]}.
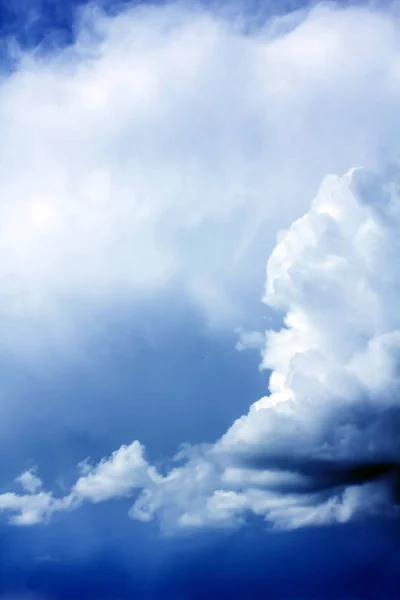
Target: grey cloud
{"type": "Point", "coordinates": [319, 475]}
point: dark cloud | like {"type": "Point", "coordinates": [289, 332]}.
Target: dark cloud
{"type": "Point", "coordinates": [319, 474]}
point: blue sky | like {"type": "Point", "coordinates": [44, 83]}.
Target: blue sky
{"type": "Point", "coordinates": [198, 300]}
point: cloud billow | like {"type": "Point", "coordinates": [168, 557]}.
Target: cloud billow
{"type": "Point", "coordinates": [323, 445]}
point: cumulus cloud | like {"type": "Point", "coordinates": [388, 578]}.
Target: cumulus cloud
{"type": "Point", "coordinates": [323, 445]}
{"type": "Point", "coordinates": [34, 508]}
{"type": "Point", "coordinates": [168, 139]}
{"type": "Point", "coordinates": [116, 476]}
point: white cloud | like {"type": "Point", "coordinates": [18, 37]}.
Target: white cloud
{"type": "Point", "coordinates": [116, 476]}
{"type": "Point", "coordinates": [29, 481]}
{"type": "Point", "coordinates": [31, 509]}
{"type": "Point", "coordinates": [250, 339]}
{"type": "Point", "coordinates": [334, 383]}
{"type": "Point", "coordinates": [177, 146]}
{"type": "Point", "coordinates": [166, 144]}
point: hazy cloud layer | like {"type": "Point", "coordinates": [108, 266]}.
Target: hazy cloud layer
{"type": "Point", "coordinates": [167, 144]}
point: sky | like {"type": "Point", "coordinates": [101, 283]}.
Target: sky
{"type": "Point", "coordinates": [199, 275]}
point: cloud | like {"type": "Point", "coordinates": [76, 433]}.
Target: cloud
{"type": "Point", "coordinates": [323, 445]}
{"type": "Point", "coordinates": [33, 508]}
{"type": "Point", "coordinates": [117, 476]}
{"type": "Point", "coordinates": [250, 339]}
{"type": "Point", "coordinates": [167, 139]}
{"type": "Point", "coordinates": [169, 144]}
{"type": "Point", "coordinates": [29, 481]}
